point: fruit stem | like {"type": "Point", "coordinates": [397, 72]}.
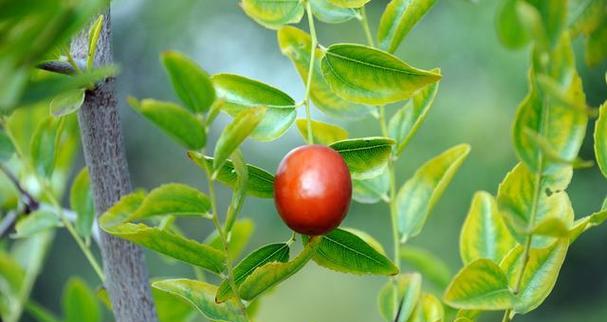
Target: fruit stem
{"type": "Point", "coordinates": [310, 70]}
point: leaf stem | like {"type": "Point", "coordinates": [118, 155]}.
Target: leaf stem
{"type": "Point", "coordinates": [506, 317]}
{"type": "Point", "coordinates": [310, 70]}
{"type": "Point", "coordinates": [365, 24]}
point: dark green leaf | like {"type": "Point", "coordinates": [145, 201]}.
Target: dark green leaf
{"type": "Point", "coordinates": [511, 31]}
{"type": "Point", "coordinates": [365, 157]}
{"type": "Point", "coordinates": [190, 82]}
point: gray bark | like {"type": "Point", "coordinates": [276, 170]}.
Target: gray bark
{"type": "Point", "coordinates": [123, 262]}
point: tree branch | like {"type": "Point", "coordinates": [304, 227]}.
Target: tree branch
{"type": "Point", "coordinates": [104, 153]}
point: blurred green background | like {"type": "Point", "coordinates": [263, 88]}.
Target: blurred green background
{"type": "Point", "coordinates": [482, 86]}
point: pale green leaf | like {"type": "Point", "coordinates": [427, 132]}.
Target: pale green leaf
{"type": "Point", "coordinates": [419, 194]}
{"type": "Point", "coordinates": [201, 295]}
{"type": "Point", "coordinates": [81, 201]}
{"type": "Point", "coordinates": [372, 190]}
{"type": "Point", "coordinates": [429, 265]}
{"type": "Point", "coordinates": [400, 294]}
{"type": "Point", "coordinates": [327, 12]}
{"type": "Point", "coordinates": [7, 149]}
{"type": "Point", "coordinates": [361, 74]}
{"type": "Point", "coordinates": [407, 120]}
{"type": "Point", "coordinates": [296, 44]}
{"type": "Point", "coordinates": [365, 157]}
{"type": "Point", "coordinates": [44, 148]}
{"type": "Point", "coordinates": [583, 224]}
{"type": "Point", "coordinates": [173, 199]}
{"type": "Point", "coordinates": [322, 133]}
{"type": "Point", "coordinates": [344, 251]}
{"type": "Point", "coordinates": [271, 274]}
{"type": "Point", "coordinates": [36, 222]}
{"type": "Point", "coordinates": [484, 234]}
{"type": "Point", "coordinates": [239, 193]}
{"type": "Point", "coordinates": [234, 134]}
{"type": "Point", "coordinates": [174, 120]}
{"type": "Point", "coordinates": [67, 102]}
{"type": "Point", "coordinates": [190, 82]}
{"type": "Point", "coordinates": [349, 3]}
{"type": "Point", "coordinates": [539, 278]}
{"type": "Point", "coordinates": [480, 285]}
{"type": "Point", "coordinates": [428, 309]}
{"type": "Point", "coordinates": [600, 139]}
{"type": "Point", "coordinates": [266, 254]}
{"type": "Point", "coordinates": [260, 183]}
{"type": "Point", "coordinates": [274, 14]}
{"type": "Point", "coordinates": [79, 301]}
{"type": "Point", "coordinates": [398, 20]}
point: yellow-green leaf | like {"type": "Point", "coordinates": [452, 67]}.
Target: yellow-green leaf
{"type": "Point", "coordinates": [419, 194]}
{"type": "Point", "coordinates": [81, 201]}
{"type": "Point", "coordinates": [595, 45]}
{"type": "Point", "coordinates": [398, 20]}
{"type": "Point", "coordinates": [274, 14]}
{"type": "Point", "coordinates": [190, 82]}
{"type": "Point", "coordinates": [327, 12]}
{"type": "Point", "coordinates": [400, 295]}
{"type": "Point", "coordinates": [511, 29]}
{"type": "Point", "coordinates": [67, 102]}
{"type": "Point", "coordinates": [484, 234]}
{"type": "Point", "coordinates": [365, 75]}
{"type": "Point", "coordinates": [583, 224]}
{"type": "Point", "coordinates": [480, 285]}
{"type": "Point", "coordinates": [173, 199]}
{"type": "Point", "coordinates": [349, 3]}
{"type": "Point", "coordinates": [36, 222]}
{"type": "Point", "coordinates": [600, 139]}
{"type": "Point", "coordinates": [428, 309]}
{"type": "Point", "coordinates": [323, 133]}
{"type": "Point", "coordinates": [365, 157]}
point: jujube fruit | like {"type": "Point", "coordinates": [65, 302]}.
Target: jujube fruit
{"type": "Point", "coordinates": [312, 189]}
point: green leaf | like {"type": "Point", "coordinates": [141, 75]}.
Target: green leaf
{"type": "Point", "coordinates": [260, 183]}
{"type": "Point", "coordinates": [296, 44]}
{"type": "Point", "coordinates": [595, 46]}
{"type": "Point", "coordinates": [271, 274]}
{"type": "Point", "coordinates": [432, 268]}
{"type": "Point", "coordinates": [400, 295]}
{"type": "Point", "coordinates": [36, 222]}
{"type": "Point", "coordinates": [94, 33]}
{"type": "Point", "coordinates": [349, 3]}
{"type": "Point", "coordinates": [240, 93]}
{"type": "Point", "coordinates": [174, 120]}
{"type": "Point", "coordinates": [344, 251]}
{"type": "Point", "coordinates": [12, 275]}
{"type": "Point", "coordinates": [589, 17]}
{"type": "Point", "coordinates": [600, 139]}
{"type": "Point", "coordinates": [583, 224]}
{"type": "Point", "coordinates": [540, 274]}
{"type": "Point", "coordinates": [517, 201]}
{"type": "Point", "coordinates": [171, 308]}
{"type": "Point", "coordinates": [274, 14]}
{"type": "Point", "coordinates": [43, 146]}
{"type": "Point", "coordinates": [407, 120]}
{"type": "Point", "coordinates": [327, 12]}
{"type": "Point", "coordinates": [201, 295]}
{"type": "Point", "coordinates": [190, 82]}
{"type": "Point", "coordinates": [361, 74]}
{"type": "Point", "coordinates": [67, 102]}
{"type": "Point", "coordinates": [258, 258]}
{"type": "Point", "coordinates": [323, 133]}
{"type": "Point", "coordinates": [81, 201]}
{"type": "Point", "coordinates": [115, 222]}
{"type": "Point", "coordinates": [398, 20]}
{"type": "Point", "coordinates": [371, 190]}
{"type": "Point", "coordinates": [79, 301]}
{"type": "Point", "coordinates": [484, 234]}
{"type": "Point", "coordinates": [234, 134]}
{"type": "Point", "coordinates": [173, 199]}
{"type": "Point", "coordinates": [39, 313]}
{"type": "Point", "coordinates": [480, 285]}
{"type": "Point", "coordinates": [7, 149]}
{"type": "Point", "coordinates": [429, 308]}
{"type": "Point", "coordinates": [511, 30]}
{"type": "Point", "coordinates": [239, 194]}
{"type": "Point", "coordinates": [365, 157]}
{"type": "Point", "coordinates": [419, 194]}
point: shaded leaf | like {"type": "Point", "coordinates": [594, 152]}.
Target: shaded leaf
{"type": "Point", "coordinates": [511, 30]}
{"type": "Point", "coordinates": [190, 82]}
{"type": "Point", "coordinates": [36, 222]}
{"type": "Point", "coordinates": [361, 74]}
{"type": "Point", "coordinates": [327, 12]}
{"type": "Point", "coordinates": [323, 133]}
{"type": "Point", "coordinates": [79, 301]}
{"type": "Point", "coordinates": [419, 194]}
{"type": "Point", "coordinates": [67, 102]}
{"type": "Point", "coordinates": [81, 201]}
{"type": "Point", "coordinates": [371, 190]}
{"type": "Point", "coordinates": [398, 20]}
{"type": "Point", "coordinates": [400, 294]}
{"type": "Point", "coordinates": [432, 268]}
{"type": "Point", "coordinates": [7, 149]}
{"type": "Point", "coordinates": [600, 139]}
{"type": "Point", "coordinates": [273, 14]}
{"type": "Point", "coordinates": [365, 157]}
{"type": "Point", "coordinates": [171, 308]}
{"type": "Point", "coordinates": [595, 45]}
{"type": "Point", "coordinates": [429, 308]}
{"type": "Point", "coordinates": [239, 194]}
{"type": "Point", "coordinates": [43, 146]}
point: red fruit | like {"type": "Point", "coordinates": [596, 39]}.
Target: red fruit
{"type": "Point", "coordinates": [312, 189]}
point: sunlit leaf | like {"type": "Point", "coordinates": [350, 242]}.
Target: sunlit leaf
{"type": "Point", "coordinates": [266, 254]}
{"type": "Point", "coordinates": [600, 139]}
{"type": "Point", "coordinates": [540, 274]}
{"type": "Point", "coordinates": [344, 251]}
{"type": "Point", "coordinates": [398, 20]}
{"type": "Point", "coordinates": [480, 285]}
{"type": "Point", "coordinates": [429, 308]}
{"type": "Point", "coordinates": [67, 102]}
{"type": "Point", "coordinates": [260, 183]}
{"type": "Point", "coordinates": [583, 224]}
{"type": "Point", "coordinates": [173, 199]}
{"type": "Point", "coordinates": [349, 3]}
{"type": "Point", "coordinates": [419, 194]}
{"type": "Point", "coordinates": [296, 44]}
{"type": "Point", "coordinates": [323, 133]}
{"type": "Point", "coordinates": [81, 201]}
{"type": "Point", "coordinates": [429, 265]}
{"type": "Point", "coordinates": [274, 14]}
{"type": "Point", "coordinates": [327, 12]}
{"type": "Point", "coordinates": [271, 274]}
{"type": "Point", "coordinates": [400, 295]}
{"type": "Point", "coordinates": [484, 234]}
{"type": "Point", "coordinates": [361, 74]}
{"type": "Point", "coordinates": [234, 134]}
{"type": "Point", "coordinates": [365, 157]}
{"type": "Point", "coordinates": [36, 222]}
{"type": "Point", "coordinates": [190, 82]}
{"type": "Point", "coordinates": [174, 120]}
{"type": "Point", "coordinates": [371, 190]}
{"type": "Point", "coordinates": [79, 301]}
{"type": "Point", "coordinates": [201, 295]}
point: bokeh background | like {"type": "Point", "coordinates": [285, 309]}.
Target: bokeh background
{"type": "Point", "coordinates": [482, 86]}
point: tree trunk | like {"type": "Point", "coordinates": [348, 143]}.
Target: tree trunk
{"type": "Point", "coordinates": [104, 153]}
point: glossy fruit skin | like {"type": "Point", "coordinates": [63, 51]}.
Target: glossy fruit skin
{"type": "Point", "coordinates": [312, 189]}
